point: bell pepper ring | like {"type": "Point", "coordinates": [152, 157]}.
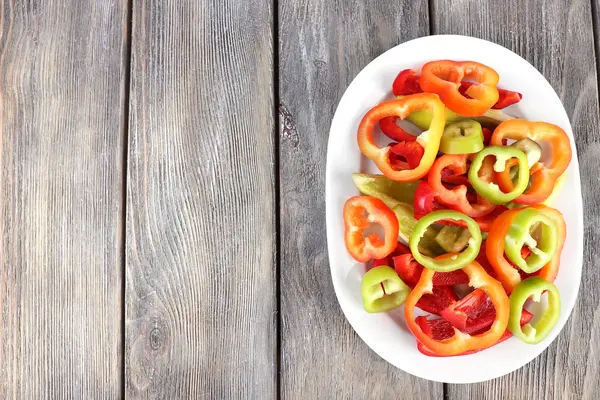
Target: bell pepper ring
{"type": "Point", "coordinates": [440, 329]}
{"type": "Point", "coordinates": [505, 97]}
{"type": "Point", "coordinates": [495, 247]}
{"type": "Point", "coordinates": [382, 290]}
{"type": "Point", "coordinates": [463, 137]}
{"type": "Point", "coordinates": [461, 342]}
{"type": "Point", "coordinates": [456, 261]}
{"type": "Point", "coordinates": [405, 155]}
{"type": "Point", "coordinates": [456, 198]}
{"type": "Point", "coordinates": [429, 140]}
{"type": "Point", "coordinates": [519, 235]}
{"type": "Point", "coordinates": [543, 179]}
{"type": "Point", "coordinates": [360, 212]}
{"type": "Point", "coordinates": [444, 78]}
{"type": "Point", "coordinates": [534, 287]}
{"type": "Point", "coordinates": [406, 83]}
{"type": "Point", "coordinates": [491, 191]}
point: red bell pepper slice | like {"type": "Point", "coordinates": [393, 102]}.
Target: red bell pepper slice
{"type": "Point", "coordinates": [393, 131]}
{"type": "Point", "coordinates": [439, 299]}
{"type": "Point", "coordinates": [406, 155]}
{"type": "Point", "coordinates": [505, 97]}
{"type": "Point", "coordinates": [401, 248]}
{"type": "Point", "coordinates": [440, 329]}
{"type": "Point", "coordinates": [456, 198]}
{"type": "Point", "coordinates": [410, 271]}
{"type": "Point", "coordinates": [406, 83]}
{"type": "Point", "coordinates": [360, 212]}
{"type": "Point", "coordinates": [425, 200]}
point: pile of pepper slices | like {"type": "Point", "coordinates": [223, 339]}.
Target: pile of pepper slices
{"type": "Point", "coordinates": [469, 196]}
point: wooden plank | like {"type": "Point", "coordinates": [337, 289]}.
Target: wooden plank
{"type": "Point", "coordinates": [556, 37]}
{"type": "Point", "coordinates": [200, 283]}
{"type": "Point", "coordinates": [323, 45]}
{"type": "Point", "coordinates": [61, 149]}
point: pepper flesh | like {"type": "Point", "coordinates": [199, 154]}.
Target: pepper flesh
{"type": "Point", "coordinates": [362, 247]}
{"type": "Point", "coordinates": [463, 137]}
{"type": "Point", "coordinates": [447, 264]}
{"type": "Point", "coordinates": [391, 129]}
{"type": "Point", "coordinates": [456, 198]}
{"type": "Point", "coordinates": [382, 290]}
{"type": "Point", "coordinates": [406, 83]}
{"type": "Point", "coordinates": [505, 97]}
{"type": "Point", "coordinates": [429, 140]}
{"type": "Point", "coordinates": [533, 287]}
{"type": "Point", "coordinates": [519, 235]}
{"type": "Point", "coordinates": [444, 78]}
{"type": "Point", "coordinates": [461, 342]}
{"type": "Point", "coordinates": [489, 190]}
{"type": "Point", "coordinates": [544, 178]}
{"type": "Point", "coordinates": [495, 248]}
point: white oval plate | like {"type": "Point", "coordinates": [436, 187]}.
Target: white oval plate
{"type": "Point", "coordinates": [387, 333]}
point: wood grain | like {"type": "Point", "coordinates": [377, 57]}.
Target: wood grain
{"type": "Point", "coordinates": [323, 45]}
{"type": "Point", "coordinates": [61, 148]}
{"type": "Point", "coordinates": [557, 38]}
{"type": "Point", "coordinates": [200, 284]}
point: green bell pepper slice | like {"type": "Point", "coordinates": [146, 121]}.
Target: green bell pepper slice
{"type": "Point", "coordinates": [533, 287]}
{"type": "Point", "coordinates": [385, 189]}
{"type": "Point", "coordinates": [462, 137]}
{"type": "Point", "coordinates": [453, 238]}
{"type": "Point", "coordinates": [489, 190]}
{"type": "Point", "coordinates": [520, 234]}
{"type": "Point", "coordinates": [456, 261]}
{"type": "Point", "coordinates": [383, 290]}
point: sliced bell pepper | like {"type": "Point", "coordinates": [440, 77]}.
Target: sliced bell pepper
{"type": "Point", "coordinates": [425, 200]}
{"type": "Point", "coordinates": [473, 305]}
{"type": "Point", "coordinates": [456, 261]}
{"type": "Point", "coordinates": [406, 155]}
{"type": "Point", "coordinates": [382, 290]}
{"type": "Point", "coordinates": [456, 198]}
{"type": "Point", "coordinates": [461, 342]}
{"type": "Point", "coordinates": [543, 179]}
{"type": "Point", "coordinates": [463, 137]}
{"type": "Point", "coordinates": [429, 140]}
{"type": "Point", "coordinates": [495, 247]}
{"type": "Point", "coordinates": [533, 287]}
{"type": "Point", "coordinates": [440, 329]}
{"type": "Point", "coordinates": [444, 78]}
{"type": "Point", "coordinates": [406, 83]}
{"type": "Point", "coordinates": [391, 129]}
{"type": "Point", "coordinates": [489, 190]}
{"type": "Point", "coordinates": [440, 298]}
{"type": "Point", "coordinates": [401, 248]}
{"type": "Point", "coordinates": [360, 212]}
{"type": "Point", "coordinates": [519, 235]}
{"type": "Point", "coordinates": [385, 189]}
{"type": "Point", "coordinates": [505, 97]}
{"type": "Point", "coordinates": [410, 271]}
{"type": "Point", "coordinates": [453, 239]}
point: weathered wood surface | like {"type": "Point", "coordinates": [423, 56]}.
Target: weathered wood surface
{"type": "Point", "coordinates": [323, 45]}
{"type": "Point", "coordinates": [201, 215]}
{"type": "Point", "coordinates": [61, 148]}
{"type": "Point", "coordinates": [557, 38]}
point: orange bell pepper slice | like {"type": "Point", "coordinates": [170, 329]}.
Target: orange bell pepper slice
{"type": "Point", "coordinates": [494, 249]}
{"type": "Point", "coordinates": [444, 78]}
{"type": "Point", "coordinates": [360, 213]}
{"type": "Point", "coordinates": [429, 140]}
{"type": "Point", "coordinates": [461, 342]}
{"type": "Point", "coordinates": [543, 177]}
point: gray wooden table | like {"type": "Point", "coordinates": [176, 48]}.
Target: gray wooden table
{"type": "Point", "coordinates": [162, 180]}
